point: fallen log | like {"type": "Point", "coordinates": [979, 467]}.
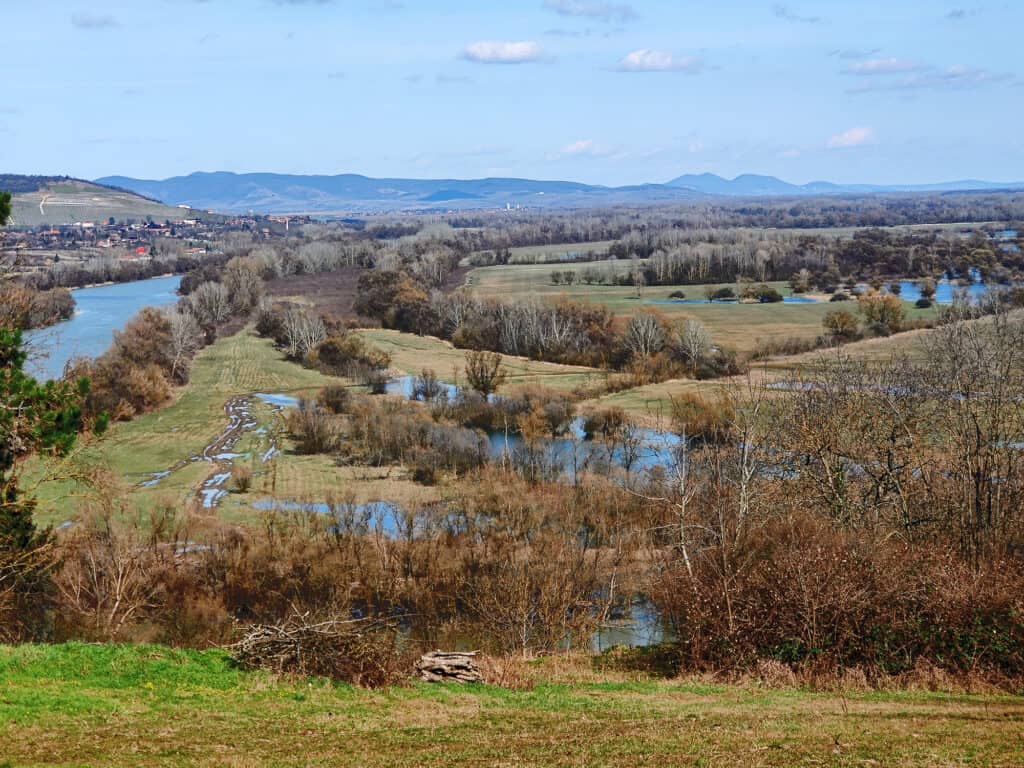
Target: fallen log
{"type": "Point", "coordinates": [449, 666]}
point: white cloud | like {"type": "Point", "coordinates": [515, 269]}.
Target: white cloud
{"type": "Point", "coordinates": [882, 66]}
{"type": "Point", "coordinates": [854, 137]}
{"type": "Point", "coordinates": [647, 60]}
{"type": "Point", "coordinates": [592, 10]}
{"type": "Point", "coordinates": [502, 52]}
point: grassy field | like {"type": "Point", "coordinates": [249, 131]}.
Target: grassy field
{"type": "Point", "coordinates": [242, 364]}
{"type": "Point", "coordinates": [554, 254]}
{"type": "Point", "coordinates": [741, 327]}
{"type": "Point", "coordinates": [411, 354]}
{"type": "Point", "coordinates": [654, 401]}
{"type": "Point", "coordinates": [78, 705]}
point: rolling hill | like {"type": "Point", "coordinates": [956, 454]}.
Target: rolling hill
{"type": "Point", "coordinates": [284, 193]}
{"type": "Point", "coordinates": [281, 193]}
{"type": "Point", "coordinates": [752, 185]}
{"type": "Point", "coordinates": [59, 200]}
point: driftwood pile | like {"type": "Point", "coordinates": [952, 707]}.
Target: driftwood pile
{"type": "Point", "coordinates": [453, 666]}
{"type": "Point", "coordinates": [359, 651]}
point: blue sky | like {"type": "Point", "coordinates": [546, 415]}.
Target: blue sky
{"type": "Point", "coordinates": [609, 92]}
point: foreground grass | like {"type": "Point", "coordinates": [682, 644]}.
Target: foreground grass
{"type": "Point", "coordinates": [76, 705]}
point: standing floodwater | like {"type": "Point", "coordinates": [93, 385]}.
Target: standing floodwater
{"type": "Point", "coordinates": [98, 313]}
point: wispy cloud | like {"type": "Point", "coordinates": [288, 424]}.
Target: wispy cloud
{"type": "Point", "coordinates": [337, 75]}
{"type": "Point", "coordinates": [960, 14]}
{"type": "Point", "coordinates": [786, 13]}
{"type": "Point", "coordinates": [934, 78]}
{"type": "Point", "coordinates": [852, 54]}
{"type": "Point", "coordinates": [592, 10]}
{"type": "Point", "coordinates": [882, 66]}
{"type": "Point", "coordinates": [582, 147]}
{"type": "Point", "coordinates": [92, 21]}
{"type": "Point", "coordinates": [648, 60]}
{"type": "Point", "coordinates": [502, 52]}
{"type": "Point", "coordinates": [854, 137]}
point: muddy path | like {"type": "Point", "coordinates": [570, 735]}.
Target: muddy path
{"type": "Point", "coordinates": [221, 453]}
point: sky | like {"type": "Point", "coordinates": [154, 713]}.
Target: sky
{"type": "Point", "coordinates": [601, 91]}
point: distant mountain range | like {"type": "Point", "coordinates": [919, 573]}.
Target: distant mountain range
{"type": "Point", "coordinates": [752, 185]}
{"type": "Point", "coordinates": [282, 193]}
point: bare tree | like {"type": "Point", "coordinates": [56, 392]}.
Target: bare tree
{"type": "Point", "coordinates": [645, 335]}
{"type": "Point", "coordinates": [185, 341]}
{"type": "Point", "coordinates": [485, 372]}
{"type": "Point", "coordinates": [689, 341]}
{"type": "Point", "coordinates": [304, 332]}
{"type": "Point", "coordinates": [210, 304]}
{"type": "Point", "coordinates": [244, 282]}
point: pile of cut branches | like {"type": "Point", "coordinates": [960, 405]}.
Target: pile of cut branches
{"type": "Point", "coordinates": [364, 652]}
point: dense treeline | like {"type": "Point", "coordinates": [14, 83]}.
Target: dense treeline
{"type": "Point", "coordinates": [518, 229]}
{"type": "Point", "coordinates": [109, 270]}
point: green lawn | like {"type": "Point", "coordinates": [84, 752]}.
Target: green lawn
{"type": "Point", "coordinates": [87, 705]}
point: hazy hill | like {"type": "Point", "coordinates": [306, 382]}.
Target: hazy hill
{"type": "Point", "coordinates": [751, 185]}
{"type": "Point", "coordinates": [60, 200]}
{"type": "Point", "coordinates": [279, 193]}
{"type": "Point", "coordinates": [283, 193]}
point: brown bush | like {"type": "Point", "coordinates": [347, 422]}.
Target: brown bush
{"type": "Point", "coordinates": [709, 421]}
{"type": "Point", "coordinates": [811, 595]}
{"type": "Point", "coordinates": [313, 428]}
{"type": "Point", "coordinates": [241, 478]}
{"type": "Point", "coordinates": [336, 398]}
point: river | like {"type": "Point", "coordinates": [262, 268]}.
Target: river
{"type": "Point", "coordinates": [99, 312]}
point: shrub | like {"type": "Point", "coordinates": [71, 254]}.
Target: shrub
{"type": "Point", "coordinates": [767, 295]}
{"type": "Point", "coordinates": [883, 312]}
{"type": "Point", "coordinates": [706, 421]}
{"type": "Point", "coordinates": [485, 372]}
{"type": "Point", "coordinates": [241, 479]}
{"type": "Point", "coordinates": [677, 295]}
{"type": "Point", "coordinates": [605, 423]}
{"type": "Point", "coordinates": [923, 303]}
{"type": "Point", "coordinates": [839, 296]}
{"type": "Point", "coordinates": [841, 324]}
{"type": "Point", "coordinates": [720, 294]}
{"type": "Point", "coordinates": [336, 398]}
{"type": "Point", "coordinates": [313, 429]}
{"type": "Point", "coordinates": [812, 595]}
{"type": "Point", "coordinates": [426, 387]}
